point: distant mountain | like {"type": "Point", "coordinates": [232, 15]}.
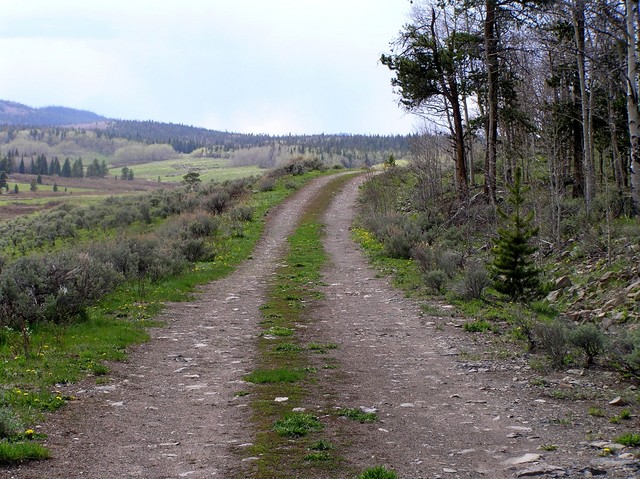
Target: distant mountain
{"type": "Point", "coordinates": [12, 113]}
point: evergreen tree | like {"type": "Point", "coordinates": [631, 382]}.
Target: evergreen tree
{"type": "Point", "coordinates": [104, 170]}
{"type": "Point", "coordinates": [512, 269]}
{"type": "Point", "coordinates": [39, 180]}
{"type": "Point", "coordinates": [16, 190]}
{"type": "Point", "coordinates": [21, 169]}
{"type": "Point", "coordinates": [77, 170]}
{"type": "Point", "coordinates": [66, 169]}
{"type": "Point", "coordinates": [3, 179]}
{"type": "Point", "coordinates": [54, 167]}
{"type": "Point", "coordinates": [55, 186]}
{"type": "Point", "coordinates": [33, 186]}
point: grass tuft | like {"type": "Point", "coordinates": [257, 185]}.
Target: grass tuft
{"type": "Point", "coordinates": [280, 375]}
{"type": "Point", "coordinates": [378, 472]}
{"type": "Point", "coordinates": [297, 425]}
{"type": "Point", "coordinates": [356, 414]}
{"type": "Point", "coordinates": [12, 452]}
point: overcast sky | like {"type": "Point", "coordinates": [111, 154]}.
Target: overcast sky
{"type": "Point", "coordinates": [251, 66]}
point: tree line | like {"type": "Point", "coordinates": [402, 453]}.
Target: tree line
{"type": "Point", "coordinates": [41, 166]}
{"type": "Point", "coordinates": [548, 80]}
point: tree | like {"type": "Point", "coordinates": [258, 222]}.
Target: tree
{"type": "Point", "coordinates": [77, 170]}
{"type": "Point", "coordinates": [631, 17]}
{"type": "Point", "coordinates": [3, 180]}
{"type": "Point", "coordinates": [21, 168]}
{"type": "Point", "coordinates": [66, 169]}
{"type": "Point", "coordinates": [432, 67]}
{"type": "Point", "coordinates": [192, 181]}
{"type": "Point", "coordinates": [512, 269]}
{"type": "Point", "coordinates": [34, 185]}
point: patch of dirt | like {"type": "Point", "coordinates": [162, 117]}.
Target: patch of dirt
{"type": "Point", "coordinates": [446, 408]}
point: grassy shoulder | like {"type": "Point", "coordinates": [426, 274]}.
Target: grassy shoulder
{"type": "Point", "coordinates": [39, 359]}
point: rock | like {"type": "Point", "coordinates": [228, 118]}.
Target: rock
{"type": "Point", "coordinates": [617, 401]}
{"type": "Point", "coordinates": [563, 282]}
{"type": "Point", "coordinates": [368, 410]}
{"type": "Point", "coordinates": [633, 287]}
{"type": "Point", "coordinates": [250, 459]}
{"type": "Point", "coordinates": [617, 300]}
{"type": "Point", "coordinates": [448, 470]}
{"type": "Point", "coordinates": [299, 409]}
{"type": "Point", "coordinates": [542, 470]}
{"type": "Point", "coordinates": [529, 457]}
{"type": "Point", "coordinates": [281, 399]}
{"type": "Point", "coordinates": [407, 404]}
{"type": "Point", "coordinates": [553, 296]}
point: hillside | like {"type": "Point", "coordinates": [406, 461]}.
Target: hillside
{"type": "Point", "coordinates": [12, 113]}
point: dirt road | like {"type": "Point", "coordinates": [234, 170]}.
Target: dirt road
{"type": "Point", "coordinates": [446, 409]}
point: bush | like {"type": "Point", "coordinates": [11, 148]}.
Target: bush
{"type": "Point", "coordinates": [216, 202]}
{"type": "Point", "coordinates": [474, 281]}
{"type": "Point", "coordinates": [266, 183]}
{"type": "Point", "coordinates": [9, 423]}
{"type": "Point", "coordinates": [429, 258]}
{"type": "Point", "coordinates": [551, 337]}
{"type": "Point", "coordinates": [203, 225]}
{"type": "Point", "coordinates": [589, 339]}
{"type": "Point", "coordinates": [624, 352]}
{"type": "Point", "coordinates": [242, 213]}
{"type": "Point", "coordinates": [436, 280]}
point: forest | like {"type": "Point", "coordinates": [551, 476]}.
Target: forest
{"type": "Point", "coordinates": [550, 86]}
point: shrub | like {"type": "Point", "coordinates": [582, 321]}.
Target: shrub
{"type": "Point", "coordinates": [624, 352]}
{"type": "Point", "coordinates": [242, 213]}
{"type": "Point", "coordinates": [266, 183]}
{"type": "Point", "coordinates": [196, 249]}
{"type": "Point", "coordinates": [589, 339]}
{"type": "Point", "coordinates": [551, 337]}
{"type": "Point", "coordinates": [436, 280]}
{"type": "Point", "coordinates": [9, 423]}
{"type": "Point", "coordinates": [216, 202]}
{"type": "Point", "coordinates": [474, 281]}
{"type": "Point", "coordinates": [203, 225]}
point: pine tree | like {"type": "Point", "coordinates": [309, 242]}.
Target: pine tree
{"type": "Point", "coordinates": [512, 269]}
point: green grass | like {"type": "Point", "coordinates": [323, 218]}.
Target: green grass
{"type": "Point", "coordinates": [378, 472]}
{"type": "Point", "coordinates": [210, 169]}
{"type": "Point", "coordinates": [297, 425]}
{"type": "Point", "coordinates": [356, 414]}
{"type": "Point", "coordinates": [280, 375]}
{"type": "Point", "coordinates": [12, 452]}
{"type": "Point", "coordinates": [629, 439]}
{"type": "Point", "coordinates": [321, 348]}
{"type": "Point", "coordinates": [477, 326]}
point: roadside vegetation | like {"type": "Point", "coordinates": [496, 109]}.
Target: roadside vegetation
{"type": "Point", "coordinates": [567, 302]}
{"type": "Point", "coordinates": [79, 284]}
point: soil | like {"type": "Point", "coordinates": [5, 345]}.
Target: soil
{"type": "Point", "coordinates": [451, 404]}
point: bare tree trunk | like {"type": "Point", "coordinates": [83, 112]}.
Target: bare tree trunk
{"type": "Point", "coordinates": [491, 60]}
{"type": "Point", "coordinates": [578, 29]}
{"type": "Point", "coordinates": [632, 103]}
{"type": "Point", "coordinates": [616, 161]}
